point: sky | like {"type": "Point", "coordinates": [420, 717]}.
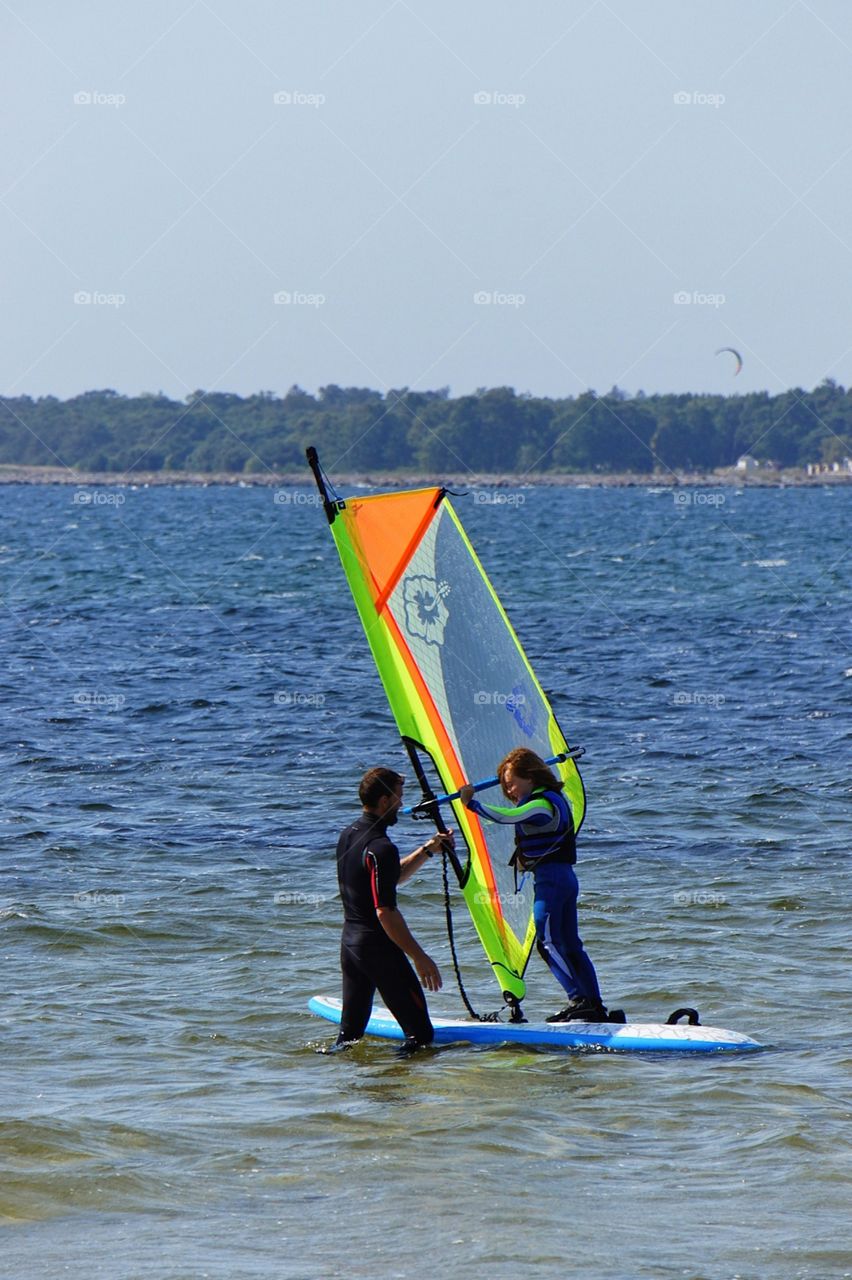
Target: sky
{"type": "Point", "coordinates": [571, 194]}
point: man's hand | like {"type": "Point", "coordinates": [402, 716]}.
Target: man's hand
{"type": "Point", "coordinates": [466, 794]}
{"type": "Point", "coordinates": [439, 840]}
{"type": "Point", "coordinates": [428, 972]}
{"type": "Point", "coordinates": [415, 860]}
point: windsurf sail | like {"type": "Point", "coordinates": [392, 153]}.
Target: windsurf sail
{"type": "Point", "coordinates": [458, 682]}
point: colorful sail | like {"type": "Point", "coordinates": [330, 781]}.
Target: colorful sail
{"type": "Point", "coordinates": [458, 682]}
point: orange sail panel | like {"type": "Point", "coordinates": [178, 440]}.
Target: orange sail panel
{"type": "Point", "coordinates": [387, 529]}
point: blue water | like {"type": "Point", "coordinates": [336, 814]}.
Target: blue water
{"type": "Point", "coordinates": [188, 702]}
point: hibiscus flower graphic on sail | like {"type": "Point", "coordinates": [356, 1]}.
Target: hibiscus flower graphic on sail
{"type": "Point", "coordinates": [426, 614]}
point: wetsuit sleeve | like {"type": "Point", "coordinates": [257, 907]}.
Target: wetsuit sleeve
{"type": "Point", "coordinates": [382, 862]}
{"type": "Point", "coordinates": [535, 813]}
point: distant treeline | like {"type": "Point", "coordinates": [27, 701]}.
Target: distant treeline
{"type": "Point", "coordinates": [493, 431]}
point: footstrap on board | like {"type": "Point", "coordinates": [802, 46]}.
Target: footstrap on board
{"type": "Point", "coordinates": [691, 1016]}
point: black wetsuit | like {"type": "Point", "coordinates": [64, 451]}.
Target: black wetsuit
{"type": "Point", "coordinates": [368, 872]}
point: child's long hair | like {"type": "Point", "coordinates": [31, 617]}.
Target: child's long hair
{"type": "Point", "coordinates": [528, 765]}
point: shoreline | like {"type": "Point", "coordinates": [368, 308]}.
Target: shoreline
{"type": "Point", "coordinates": [727, 477]}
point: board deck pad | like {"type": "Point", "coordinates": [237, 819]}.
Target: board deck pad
{"type": "Point", "coordinates": [635, 1037]}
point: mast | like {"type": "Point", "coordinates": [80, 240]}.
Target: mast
{"type": "Point", "coordinates": [330, 507]}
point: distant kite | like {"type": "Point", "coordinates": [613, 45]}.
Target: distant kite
{"type": "Point", "coordinates": [736, 356]}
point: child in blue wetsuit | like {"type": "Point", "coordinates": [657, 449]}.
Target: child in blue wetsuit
{"type": "Point", "coordinates": [545, 845]}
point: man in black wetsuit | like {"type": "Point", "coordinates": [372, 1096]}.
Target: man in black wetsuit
{"type": "Point", "coordinates": [376, 940]}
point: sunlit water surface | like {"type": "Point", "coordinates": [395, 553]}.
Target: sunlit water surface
{"type": "Point", "coordinates": [188, 703]}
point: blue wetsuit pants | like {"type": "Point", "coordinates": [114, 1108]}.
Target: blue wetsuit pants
{"type": "Point", "coordinates": [557, 936]}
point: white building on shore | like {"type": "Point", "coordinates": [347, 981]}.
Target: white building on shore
{"type": "Point", "coordinates": [830, 468]}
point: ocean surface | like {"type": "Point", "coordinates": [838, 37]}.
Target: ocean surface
{"type": "Point", "coordinates": [187, 705]}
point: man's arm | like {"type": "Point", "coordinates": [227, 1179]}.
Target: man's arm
{"type": "Point", "coordinates": [393, 923]}
{"type": "Point", "coordinates": [410, 864]}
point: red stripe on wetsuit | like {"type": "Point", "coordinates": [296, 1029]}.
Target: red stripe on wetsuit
{"type": "Point", "coordinates": [374, 878]}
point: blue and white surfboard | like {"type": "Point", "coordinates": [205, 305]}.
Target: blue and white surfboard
{"type": "Point", "coordinates": [631, 1037]}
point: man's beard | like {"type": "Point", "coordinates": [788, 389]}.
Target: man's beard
{"type": "Point", "coordinates": [391, 817]}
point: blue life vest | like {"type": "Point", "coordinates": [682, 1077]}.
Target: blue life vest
{"type": "Point", "coordinates": [552, 844]}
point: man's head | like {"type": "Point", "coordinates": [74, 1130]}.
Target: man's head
{"type": "Point", "coordinates": [380, 792]}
